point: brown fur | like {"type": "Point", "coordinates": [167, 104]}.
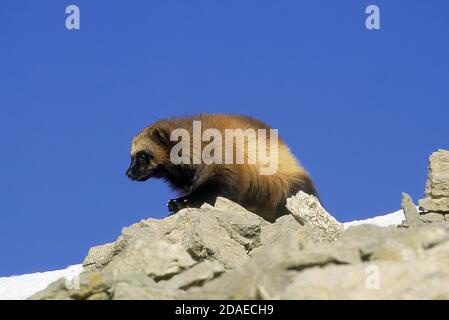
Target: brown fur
{"type": "Point", "coordinates": [262, 194]}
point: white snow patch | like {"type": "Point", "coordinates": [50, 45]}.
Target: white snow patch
{"type": "Point", "coordinates": [391, 219]}
{"type": "Point", "coordinates": [24, 286]}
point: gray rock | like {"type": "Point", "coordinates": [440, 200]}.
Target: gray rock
{"type": "Point", "coordinates": [271, 270]}
{"type": "Point", "coordinates": [207, 239]}
{"type": "Point", "coordinates": [137, 286]}
{"type": "Point", "coordinates": [291, 270]}
{"type": "Point", "coordinates": [224, 204]}
{"type": "Point", "coordinates": [226, 252]}
{"type": "Point", "coordinates": [264, 271]}
{"type": "Point", "coordinates": [99, 296]}
{"type": "Point", "coordinates": [435, 205]}
{"type": "Point", "coordinates": [411, 213]}
{"type": "Point", "coordinates": [158, 260]}
{"type": "Point", "coordinates": [281, 228]}
{"type": "Point", "coordinates": [90, 284]}
{"type": "Point", "coordinates": [206, 234]}
{"type": "Point", "coordinates": [364, 262]}
{"type": "Point", "coordinates": [242, 225]}
{"type": "Point", "coordinates": [215, 234]}
{"type": "Point", "coordinates": [421, 278]}
{"type": "Point", "coordinates": [308, 210]}
{"type": "Point", "coordinates": [383, 280]}
{"type": "Point", "coordinates": [408, 246]}
{"type": "Point", "coordinates": [55, 291]}
{"type": "Point", "coordinates": [438, 176]}
{"type": "Point", "coordinates": [99, 256]}
{"type": "Point", "coordinates": [106, 286]}
{"type": "Point", "coordinates": [432, 217]}
{"type": "Point", "coordinates": [195, 276]}
{"type": "Point", "coordinates": [377, 243]}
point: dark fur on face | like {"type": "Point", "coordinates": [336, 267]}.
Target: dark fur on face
{"type": "Point", "coordinates": [149, 155]}
{"type": "Point", "coordinates": [141, 167]}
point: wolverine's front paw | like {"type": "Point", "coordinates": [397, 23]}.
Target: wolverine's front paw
{"type": "Point", "coordinates": [174, 205]}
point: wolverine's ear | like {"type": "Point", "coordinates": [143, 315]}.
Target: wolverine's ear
{"type": "Point", "coordinates": [160, 135]}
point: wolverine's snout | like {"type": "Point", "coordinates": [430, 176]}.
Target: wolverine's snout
{"type": "Point", "coordinates": [137, 176]}
{"type": "Point", "coordinates": [134, 173]}
{"type": "Point", "coordinates": [129, 173]}
{"type": "Point", "coordinates": [138, 172]}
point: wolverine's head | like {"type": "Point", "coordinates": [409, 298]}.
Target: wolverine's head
{"type": "Point", "coordinates": [149, 153]}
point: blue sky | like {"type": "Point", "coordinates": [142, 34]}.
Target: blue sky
{"type": "Point", "coordinates": [361, 109]}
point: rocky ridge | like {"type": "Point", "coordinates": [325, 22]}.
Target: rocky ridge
{"type": "Point", "coordinates": [435, 205]}
{"type": "Point", "coordinates": [226, 252]}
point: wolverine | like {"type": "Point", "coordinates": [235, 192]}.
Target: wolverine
{"type": "Point", "coordinates": [156, 150]}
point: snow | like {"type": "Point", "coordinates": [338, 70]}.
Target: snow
{"type": "Point", "coordinates": [391, 219]}
{"type": "Point", "coordinates": [24, 286]}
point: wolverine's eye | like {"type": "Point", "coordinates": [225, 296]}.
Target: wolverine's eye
{"type": "Point", "coordinates": [142, 157]}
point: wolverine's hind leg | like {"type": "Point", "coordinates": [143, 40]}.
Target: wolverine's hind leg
{"type": "Point", "coordinates": [301, 183]}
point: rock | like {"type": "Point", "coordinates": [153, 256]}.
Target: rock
{"type": "Point", "coordinates": [158, 260]}
{"type": "Point", "coordinates": [105, 286]}
{"type": "Point", "coordinates": [425, 277]}
{"type": "Point", "coordinates": [383, 280]}
{"type": "Point", "coordinates": [230, 253]}
{"type": "Point", "coordinates": [308, 210]}
{"type": "Point", "coordinates": [272, 270]}
{"type": "Point", "coordinates": [282, 227]}
{"type": "Point", "coordinates": [163, 258]}
{"type": "Point", "coordinates": [218, 234]}
{"type": "Point", "coordinates": [55, 291]}
{"type": "Point", "coordinates": [195, 276]}
{"type": "Point", "coordinates": [100, 256]}
{"type": "Point", "coordinates": [291, 270]}
{"type": "Point", "coordinates": [139, 287]}
{"type": "Point", "coordinates": [364, 262]}
{"type": "Point", "coordinates": [224, 204]}
{"type": "Point", "coordinates": [264, 271]}
{"type": "Point", "coordinates": [207, 239]}
{"type": "Point", "coordinates": [410, 211]}
{"type": "Point", "coordinates": [406, 246]}
{"type": "Point", "coordinates": [365, 239]}
{"type": "Point", "coordinates": [438, 176]}
{"type": "Point", "coordinates": [242, 225]}
{"type": "Point", "coordinates": [99, 296]}
{"type": "Point", "coordinates": [90, 284]}
{"type": "Point", "coordinates": [432, 217]}
{"type": "Point", "coordinates": [225, 234]}
{"type": "Point", "coordinates": [226, 252]}
{"type": "Point", "coordinates": [435, 205]}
